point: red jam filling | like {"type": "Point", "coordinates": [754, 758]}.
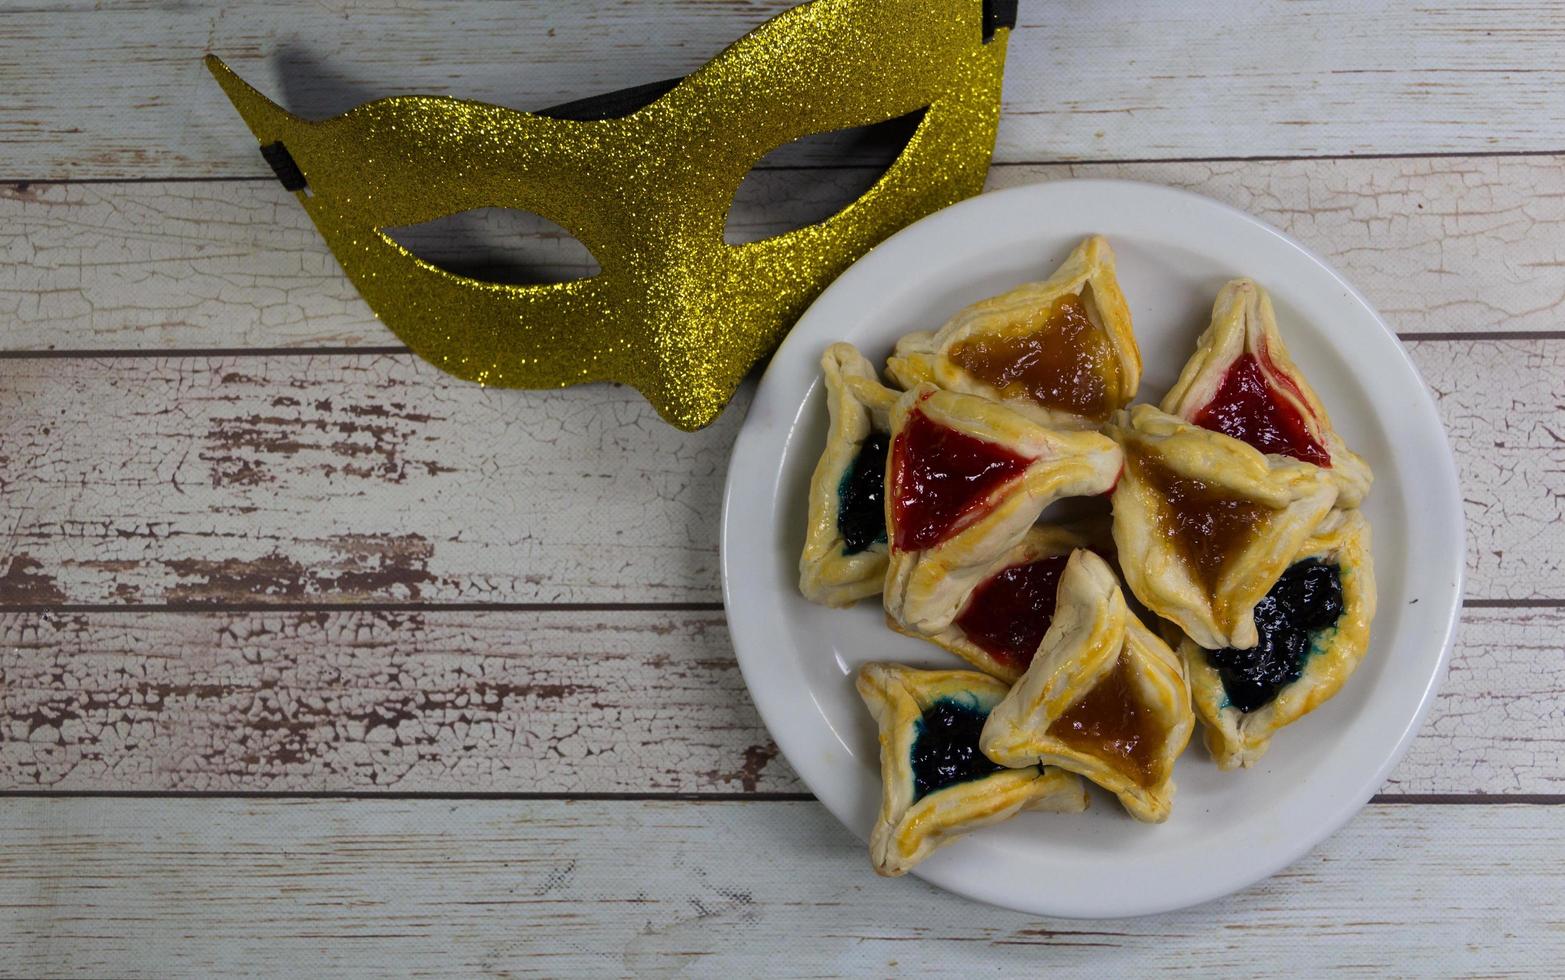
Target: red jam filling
{"type": "Point", "coordinates": [1066, 364]}
{"type": "Point", "coordinates": [1112, 724]}
{"type": "Point", "coordinates": [1246, 408]}
{"type": "Point", "coordinates": [939, 476]}
{"type": "Point", "coordinates": [1008, 615]}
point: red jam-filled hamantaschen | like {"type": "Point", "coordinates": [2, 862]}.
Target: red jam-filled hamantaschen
{"type": "Point", "coordinates": [1246, 408]}
{"type": "Point", "coordinates": [939, 476]}
{"type": "Point", "coordinates": [1008, 615]}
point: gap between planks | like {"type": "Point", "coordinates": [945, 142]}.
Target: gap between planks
{"type": "Point", "coordinates": [1379, 799]}
{"type": "Point", "coordinates": [203, 608]}
{"type": "Point", "coordinates": [394, 350]}
{"type": "Point", "coordinates": [22, 183]}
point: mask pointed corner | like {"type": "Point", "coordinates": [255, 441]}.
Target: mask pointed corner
{"type": "Point", "coordinates": [266, 118]}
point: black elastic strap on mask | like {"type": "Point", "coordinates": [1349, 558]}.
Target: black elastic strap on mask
{"type": "Point", "coordinates": [998, 14]}
{"type": "Point", "coordinates": [611, 105]}
{"type": "Point", "coordinates": [282, 163]}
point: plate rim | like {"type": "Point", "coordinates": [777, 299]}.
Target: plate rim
{"type": "Point", "coordinates": [1455, 518]}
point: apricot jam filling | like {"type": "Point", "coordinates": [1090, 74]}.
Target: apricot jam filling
{"type": "Point", "coordinates": [1067, 363]}
{"type": "Point", "coordinates": [1205, 524]}
{"type": "Point", "coordinates": [1113, 724]}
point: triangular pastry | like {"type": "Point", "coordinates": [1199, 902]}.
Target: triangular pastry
{"type": "Point", "coordinates": [1242, 382]}
{"type": "Point", "coordinates": [1060, 351]}
{"type": "Point", "coordinates": [844, 557]}
{"type": "Point", "coordinates": [1314, 629]}
{"type": "Point", "coordinates": [1205, 525]}
{"type": "Point", "coordinates": [1104, 697]}
{"type": "Point", "coordinates": [965, 479]}
{"type": "Point", "coordinates": [1003, 618]}
{"type": "Point", "coordinates": [935, 783]}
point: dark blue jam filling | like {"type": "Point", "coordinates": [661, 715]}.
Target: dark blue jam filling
{"type": "Point", "coordinates": [861, 496]}
{"type": "Point", "coordinates": [945, 747]}
{"type": "Point", "coordinates": [1306, 600]}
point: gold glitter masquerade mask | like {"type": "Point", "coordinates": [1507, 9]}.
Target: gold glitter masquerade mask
{"type": "Point", "coordinates": [644, 178]}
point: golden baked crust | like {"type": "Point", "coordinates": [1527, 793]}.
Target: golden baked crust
{"type": "Point", "coordinates": [1087, 274]}
{"type": "Point", "coordinates": [1041, 541]}
{"type": "Point", "coordinates": [859, 405]}
{"type": "Point", "coordinates": [1285, 498]}
{"type": "Point", "coordinates": [925, 587]}
{"type": "Point", "coordinates": [1095, 640]}
{"type": "Point", "coordinates": [1243, 323]}
{"type": "Point", "coordinates": [1235, 738]}
{"type": "Point", "coordinates": [908, 829]}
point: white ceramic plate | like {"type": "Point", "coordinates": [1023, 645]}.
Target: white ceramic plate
{"type": "Point", "coordinates": [1174, 250]}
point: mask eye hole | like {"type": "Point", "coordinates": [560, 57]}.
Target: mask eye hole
{"type": "Point", "coordinates": [812, 178]}
{"type": "Point", "coordinates": [499, 245]}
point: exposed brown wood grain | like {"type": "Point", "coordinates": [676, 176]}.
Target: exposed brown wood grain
{"type": "Point", "coordinates": [119, 91]}
{"type": "Point", "coordinates": [548, 702]}
{"type": "Point", "coordinates": [548, 888]}
{"type": "Point", "coordinates": [1439, 245]}
{"type": "Point", "coordinates": [287, 479]}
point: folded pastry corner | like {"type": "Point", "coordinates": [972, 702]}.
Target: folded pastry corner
{"type": "Point", "coordinates": [1104, 697]}
{"type": "Point", "coordinates": [1242, 382]}
{"type": "Point", "coordinates": [965, 480]}
{"type": "Point", "coordinates": [935, 783]}
{"type": "Point", "coordinates": [1003, 618]}
{"type": "Point", "coordinates": [1060, 351]}
{"type": "Point", "coordinates": [844, 556]}
{"type": "Point", "coordinates": [1314, 630]}
{"type": "Point", "coordinates": [1205, 524]}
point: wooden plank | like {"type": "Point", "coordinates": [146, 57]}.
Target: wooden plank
{"type": "Point", "coordinates": [1509, 442]}
{"type": "Point", "coordinates": [551, 702]}
{"type": "Point", "coordinates": [1440, 245]}
{"type": "Point", "coordinates": [217, 887]}
{"type": "Point", "coordinates": [410, 701]}
{"type": "Point", "coordinates": [264, 479]}
{"type": "Point", "coordinates": [120, 91]}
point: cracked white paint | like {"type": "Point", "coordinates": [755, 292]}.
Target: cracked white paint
{"type": "Point", "coordinates": [557, 702]}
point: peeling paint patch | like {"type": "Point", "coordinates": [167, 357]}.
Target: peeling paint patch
{"type": "Point", "coordinates": [271, 576]}
{"type": "Point", "coordinates": [381, 565]}
{"type": "Point", "coordinates": [392, 567]}
{"type": "Point", "coordinates": [748, 775]}
{"type": "Point", "coordinates": [24, 583]}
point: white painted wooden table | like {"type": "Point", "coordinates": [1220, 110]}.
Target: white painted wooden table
{"type": "Point", "coordinates": [316, 660]}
